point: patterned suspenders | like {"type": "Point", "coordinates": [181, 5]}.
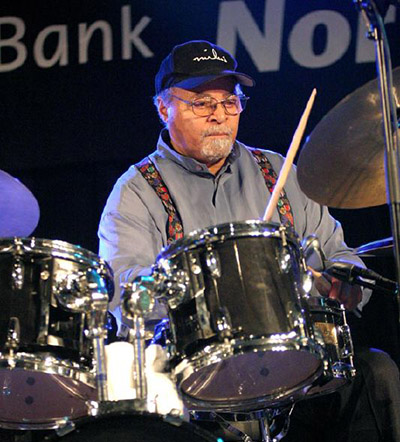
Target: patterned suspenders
{"type": "Point", "coordinates": [153, 177]}
{"type": "Point", "coordinates": [174, 225]}
{"type": "Point", "coordinates": [270, 177]}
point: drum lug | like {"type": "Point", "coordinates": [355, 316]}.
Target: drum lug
{"type": "Point", "coordinates": [307, 282]}
{"type": "Point", "coordinates": [224, 324]}
{"type": "Point", "coordinates": [347, 349]}
{"type": "Point", "coordinates": [213, 263]}
{"type": "Point", "coordinates": [18, 273]}
{"type": "Point", "coordinates": [13, 334]}
{"type": "Point", "coordinates": [203, 314]}
{"type": "Point", "coordinates": [284, 260]}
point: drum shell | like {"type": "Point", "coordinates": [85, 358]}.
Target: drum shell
{"type": "Point", "coordinates": [31, 270]}
{"type": "Point", "coordinates": [231, 293]}
{"type": "Point", "coordinates": [245, 286]}
{"type": "Point", "coordinates": [52, 352]}
{"type": "Point", "coordinates": [331, 329]}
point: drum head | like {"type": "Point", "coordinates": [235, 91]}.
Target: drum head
{"type": "Point", "coordinates": [135, 427]}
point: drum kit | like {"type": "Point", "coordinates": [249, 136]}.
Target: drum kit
{"type": "Point", "coordinates": [243, 343]}
{"type": "Point", "coordinates": [244, 340]}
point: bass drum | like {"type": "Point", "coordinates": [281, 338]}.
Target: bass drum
{"type": "Point", "coordinates": [134, 427]}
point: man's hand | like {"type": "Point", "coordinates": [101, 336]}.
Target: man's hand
{"type": "Point", "coordinates": [348, 295]}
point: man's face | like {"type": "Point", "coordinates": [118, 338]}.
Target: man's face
{"type": "Point", "coordinates": [207, 139]}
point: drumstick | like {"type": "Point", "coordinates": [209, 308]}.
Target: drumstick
{"type": "Point", "coordinates": [321, 283]}
{"type": "Point", "coordinates": [294, 146]}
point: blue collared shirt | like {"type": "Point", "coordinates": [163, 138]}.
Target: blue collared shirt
{"type": "Point", "coordinates": [133, 231]}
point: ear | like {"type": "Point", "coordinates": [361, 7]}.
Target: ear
{"type": "Point", "coordinates": [162, 110]}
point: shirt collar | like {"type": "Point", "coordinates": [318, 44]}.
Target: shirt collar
{"type": "Point", "coordinates": [165, 150]}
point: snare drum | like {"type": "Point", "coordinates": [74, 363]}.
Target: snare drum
{"type": "Point", "coordinates": [241, 335]}
{"type": "Point", "coordinates": [46, 367]}
{"type": "Point", "coordinates": [332, 331]}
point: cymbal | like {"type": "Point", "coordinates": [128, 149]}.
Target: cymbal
{"type": "Point", "coordinates": [381, 247]}
{"type": "Point", "coordinates": [342, 162]}
{"type": "Point", "coordinates": [19, 210]}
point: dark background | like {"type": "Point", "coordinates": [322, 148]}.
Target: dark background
{"type": "Point", "coordinates": [68, 132]}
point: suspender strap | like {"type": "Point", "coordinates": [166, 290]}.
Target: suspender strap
{"type": "Point", "coordinates": [270, 177]}
{"type": "Point", "coordinates": [153, 177]}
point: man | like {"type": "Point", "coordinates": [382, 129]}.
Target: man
{"type": "Point", "coordinates": [201, 176]}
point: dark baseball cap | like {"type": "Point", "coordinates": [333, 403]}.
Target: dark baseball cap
{"type": "Point", "coordinates": [196, 62]}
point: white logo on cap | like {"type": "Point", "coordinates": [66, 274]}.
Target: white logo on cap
{"type": "Point", "coordinates": [213, 57]}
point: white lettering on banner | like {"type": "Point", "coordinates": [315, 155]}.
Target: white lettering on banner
{"type": "Point", "coordinates": [337, 40]}
{"type": "Point", "coordinates": [236, 22]}
{"type": "Point", "coordinates": [60, 54]}
{"type": "Point", "coordinates": [130, 37]}
{"type": "Point", "coordinates": [263, 42]}
{"type": "Point", "coordinates": [264, 49]}
{"type": "Point", "coordinates": [133, 37]}
{"type": "Point", "coordinates": [13, 42]}
{"type": "Point", "coordinates": [365, 50]}
{"type": "Point", "coordinates": [85, 35]}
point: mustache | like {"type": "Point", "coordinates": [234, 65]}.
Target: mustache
{"type": "Point", "coordinates": [217, 130]}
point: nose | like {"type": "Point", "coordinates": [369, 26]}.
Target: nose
{"type": "Point", "coordinates": [219, 113]}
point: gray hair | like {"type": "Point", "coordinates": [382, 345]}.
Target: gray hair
{"type": "Point", "coordinates": [165, 96]}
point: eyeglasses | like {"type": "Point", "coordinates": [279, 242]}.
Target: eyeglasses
{"type": "Point", "coordinates": [206, 106]}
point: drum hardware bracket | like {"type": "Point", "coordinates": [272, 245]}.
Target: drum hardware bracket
{"type": "Point", "coordinates": [227, 426]}
{"type": "Point", "coordinates": [171, 281]}
{"type": "Point", "coordinates": [65, 427]}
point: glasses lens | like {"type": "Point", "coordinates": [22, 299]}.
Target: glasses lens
{"type": "Point", "coordinates": [204, 106]}
{"type": "Point", "coordinates": [232, 105]}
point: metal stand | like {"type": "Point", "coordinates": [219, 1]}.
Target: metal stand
{"type": "Point", "coordinates": [136, 338]}
{"type": "Point", "coordinates": [273, 424]}
{"type": "Point", "coordinates": [96, 310]}
{"type": "Point", "coordinates": [138, 301]}
{"type": "Point", "coordinates": [97, 334]}
{"type": "Point", "coordinates": [372, 11]}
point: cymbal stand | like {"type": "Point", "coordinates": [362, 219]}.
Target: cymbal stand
{"type": "Point", "coordinates": [373, 11]}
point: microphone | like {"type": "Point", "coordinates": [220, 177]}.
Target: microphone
{"type": "Point", "coordinates": [346, 271]}
{"type": "Point", "coordinates": [353, 274]}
